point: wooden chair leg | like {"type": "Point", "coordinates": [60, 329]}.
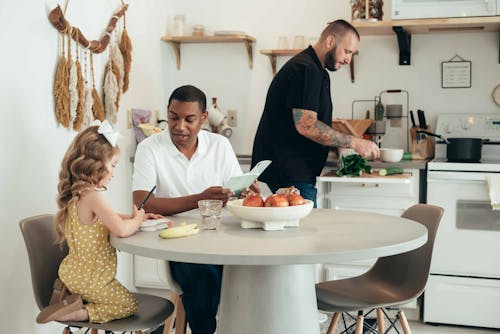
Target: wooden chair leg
{"type": "Point", "coordinates": [180, 318]}
{"type": "Point", "coordinates": [66, 330]}
{"type": "Point", "coordinates": [333, 323]}
{"type": "Point", "coordinates": [359, 324]}
{"type": "Point", "coordinates": [169, 322]}
{"type": "Point", "coordinates": [380, 321]}
{"type": "Point", "coordinates": [93, 331]}
{"type": "Point", "coordinates": [404, 322]}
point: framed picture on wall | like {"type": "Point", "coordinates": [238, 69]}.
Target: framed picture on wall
{"type": "Point", "coordinates": [456, 73]}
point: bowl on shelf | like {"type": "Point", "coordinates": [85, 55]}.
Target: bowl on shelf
{"type": "Point", "coordinates": [391, 154]}
{"type": "Point", "coordinates": [269, 218]}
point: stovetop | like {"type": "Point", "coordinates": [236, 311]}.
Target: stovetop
{"type": "Point", "coordinates": [485, 126]}
{"type": "Point", "coordinates": [485, 165]}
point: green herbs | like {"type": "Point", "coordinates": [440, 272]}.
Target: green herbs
{"type": "Point", "coordinates": [353, 165]}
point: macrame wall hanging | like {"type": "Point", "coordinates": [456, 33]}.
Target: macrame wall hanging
{"type": "Point", "coordinates": [77, 100]}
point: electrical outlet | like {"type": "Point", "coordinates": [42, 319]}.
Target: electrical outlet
{"type": "Point", "coordinates": [232, 118]}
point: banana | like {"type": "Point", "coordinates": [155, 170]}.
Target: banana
{"type": "Point", "coordinates": [179, 231]}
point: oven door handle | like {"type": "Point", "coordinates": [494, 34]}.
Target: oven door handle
{"type": "Point", "coordinates": [454, 177]}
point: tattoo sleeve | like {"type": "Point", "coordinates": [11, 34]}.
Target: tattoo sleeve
{"type": "Point", "coordinates": [307, 124]}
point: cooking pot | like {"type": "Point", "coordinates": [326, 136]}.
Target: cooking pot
{"type": "Point", "coordinates": [461, 149]}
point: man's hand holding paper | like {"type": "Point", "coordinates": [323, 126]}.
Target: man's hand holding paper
{"type": "Point", "coordinates": [239, 183]}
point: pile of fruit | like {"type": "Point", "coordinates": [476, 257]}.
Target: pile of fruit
{"type": "Point", "coordinates": [283, 197]}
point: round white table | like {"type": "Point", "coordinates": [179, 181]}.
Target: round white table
{"type": "Point", "coordinates": [268, 278]}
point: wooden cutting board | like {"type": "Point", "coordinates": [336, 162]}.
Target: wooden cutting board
{"type": "Point", "coordinates": [375, 174]}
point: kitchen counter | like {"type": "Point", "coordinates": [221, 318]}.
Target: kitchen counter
{"type": "Point", "coordinates": [332, 163]}
{"type": "Point", "coordinates": [246, 159]}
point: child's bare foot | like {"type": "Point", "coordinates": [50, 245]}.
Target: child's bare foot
{"type": "Point", "coordinates": [79, 315]}
{"type": "Point", "coordinates": [56, 311]}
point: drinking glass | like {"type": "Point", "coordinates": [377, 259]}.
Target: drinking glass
{"type": "Point", "coordinates": [299, 42]}
{"type": "Point", "coordinates": [210, 211]}
{"type": "Point", "coordinates": [283, 43]}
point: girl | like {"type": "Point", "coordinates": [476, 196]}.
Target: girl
{"type": "Point", "coordinates": [85, 220]}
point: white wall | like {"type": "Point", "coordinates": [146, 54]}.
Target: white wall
{"type": "Point", "coordinates": [33, 145]}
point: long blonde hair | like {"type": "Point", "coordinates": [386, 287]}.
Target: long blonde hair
{"type": "Point", "coordinates": [82, 168]}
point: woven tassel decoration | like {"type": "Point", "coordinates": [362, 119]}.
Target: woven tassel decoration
{"type": "Point", "coordinates": [117, 60]}
{"type": "Point", "coordinates": [88, 115]}
{"type": "Point", "coordinates": [97, 107]}
{"type": "Point", "coordinates": [110, 88]}
{"type": "Point", "coordinates": [126, 49]}
{"type": "Point", "coordinates": [73, 92]}
{"type": "Point", "coordinates": [61, 90]}
{"type": "Point", "coordinates": [116, 72]}
{"type": "Point", "coordinates": [80, 88]}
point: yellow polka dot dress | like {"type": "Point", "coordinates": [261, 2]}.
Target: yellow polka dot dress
{"type": "Point", "coordinates": [90, 268]}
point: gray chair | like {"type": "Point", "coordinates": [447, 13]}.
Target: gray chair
{"type": "Point", "coordinates": [391, 282]}
{"type": "Point", "coordinates": [44, 258]}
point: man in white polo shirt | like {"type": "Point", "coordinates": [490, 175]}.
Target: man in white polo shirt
{"type": "Point", "coordinates": [187, 165]}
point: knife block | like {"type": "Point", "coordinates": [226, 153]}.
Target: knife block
{"type": "Point", "coordinates": [422, 146]}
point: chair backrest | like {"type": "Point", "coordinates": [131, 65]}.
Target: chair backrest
{"type": "Point", "coordinates": [410, 270]}
{"type": "Point", "coordinates": [44, 255]}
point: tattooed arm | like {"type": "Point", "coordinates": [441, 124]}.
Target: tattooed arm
{"type": "Point", "coordinates": [308, 125]}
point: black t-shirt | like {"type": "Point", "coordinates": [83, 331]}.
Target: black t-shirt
{"type": "Point", "coordinates": [302, 83]}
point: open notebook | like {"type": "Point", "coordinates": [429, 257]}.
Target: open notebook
{"type": "Point", "coordinates": [239, 183]}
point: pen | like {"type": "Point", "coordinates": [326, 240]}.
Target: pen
{"type": "Point", "coordinates": [146, 199]}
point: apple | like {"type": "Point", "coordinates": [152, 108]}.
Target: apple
{"type": "Point", "coordinates": [277, 200]}
{"type": "Point", "coordinates": [295, 199]}
{"type": "Point", "coordinates": [253, 200]}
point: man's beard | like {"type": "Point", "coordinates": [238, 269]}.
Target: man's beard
{"type": "Point", "coordinates": [330, 59]}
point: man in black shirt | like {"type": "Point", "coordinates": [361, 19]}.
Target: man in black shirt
{"type": "Point", "coordinates": [295, 128]}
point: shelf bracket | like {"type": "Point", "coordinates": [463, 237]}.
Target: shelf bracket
{"type": "Point", "coordinates": [272, 59]}
{"type": "Point", "coordinates": [177, 50]}
{"type": "Point", "coordinates": [404, 41]}
{"type": "Point", "coordinates": [248, 45]}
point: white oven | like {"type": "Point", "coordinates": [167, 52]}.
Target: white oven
{"type": "Point", "coordinates": [464, 282]}
{"type": "Point", "coordinates": [420, 9]}
{"type": "Point", "coordinates": [468, 242]}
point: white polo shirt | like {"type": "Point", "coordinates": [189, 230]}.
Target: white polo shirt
{"type": "Point", "coordinates": [158, 162]}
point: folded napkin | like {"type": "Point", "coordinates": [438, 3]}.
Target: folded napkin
{"type": "Point", "coordinates": [494, 190]}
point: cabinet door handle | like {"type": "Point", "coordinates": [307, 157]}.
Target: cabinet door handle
{"type": "Point", "coordinates": [375, 185]}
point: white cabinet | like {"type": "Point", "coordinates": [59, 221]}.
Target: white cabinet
{"type": "Point", "coordinates": [387, 195]}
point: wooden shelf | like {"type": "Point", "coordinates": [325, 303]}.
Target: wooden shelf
{"type": "Point", "coordinates": [272, 54]}
{"type": "Point", "coordinates": [429, 26]}
{"type": "Point", "coordinates": [405, 28]}
{"type": "Point", "coordinates": [176, 41]}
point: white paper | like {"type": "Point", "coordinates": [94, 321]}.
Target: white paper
{"type": "Point", "coordinates": [154, 224]}
{"type": "Point", "coordinates": [239, 183]}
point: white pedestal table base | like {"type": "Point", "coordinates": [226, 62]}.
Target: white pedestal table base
{"type": "Point", "coordinates": [268, 299]}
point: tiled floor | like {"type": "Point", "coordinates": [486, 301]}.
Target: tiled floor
{"type": "Point", "coordinates": [421, 328]}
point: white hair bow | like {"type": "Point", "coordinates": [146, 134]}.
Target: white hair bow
{"type": "Point", "coordinates": [107, 131]}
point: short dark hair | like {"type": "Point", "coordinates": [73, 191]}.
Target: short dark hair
{"type": "Point", "coordinates": [339, 28]}
{"type": "Point", "coordinates": [189, 93]}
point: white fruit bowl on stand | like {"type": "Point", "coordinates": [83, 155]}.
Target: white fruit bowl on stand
{"type": "Point", "coordinates": [269, 218]}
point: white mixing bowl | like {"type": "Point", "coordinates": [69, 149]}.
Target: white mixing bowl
{"type": "Point", "coordinates": [391, 154]}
